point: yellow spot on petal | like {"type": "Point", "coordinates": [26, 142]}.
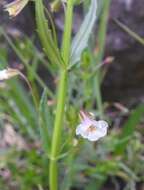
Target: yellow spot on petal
{"type": "Point", "coordinates": [91, 129]}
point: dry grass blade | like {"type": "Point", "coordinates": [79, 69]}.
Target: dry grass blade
{"type": "Point", "coordinates": [130, 32]}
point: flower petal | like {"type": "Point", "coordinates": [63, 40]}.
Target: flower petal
{"type": "Point", "coordinates": [90, 128]}
{"type": "Point", "coordinates": [102, 124]}
{"type": "Point", "coordinates": [101, 131]}
{"type": "Point", "coordinates": [79, 129]}
{"type": "Point", "coordinates": [95, 135]}
{"type": "Point", "coordinates": [82, 128]}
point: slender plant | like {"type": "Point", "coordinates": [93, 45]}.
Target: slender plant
{"type": "Point", "coordinates": [79, 157]}
{"type": "Point", "coordinates": [65, 59]}
{"type": "Point", "coordinates": [61, 97]}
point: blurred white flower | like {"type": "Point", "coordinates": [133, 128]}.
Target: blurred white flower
{"type": "Point", "coordinates": [91, 129]}
{"type": "Point", "coordinates": [15, 7]}
{"type": "Point", "coordinates": [8, 73]}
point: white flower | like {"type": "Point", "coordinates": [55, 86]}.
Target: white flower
{"type": "Point", "coordinates": [8, 73]}
{"type": "Point", "coordinates": [91, 129]}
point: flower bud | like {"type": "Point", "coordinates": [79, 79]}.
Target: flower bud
{"type": "Point", "coordinates": [8, 73]}
{"type": "Point", "coordinates": [15, 7]}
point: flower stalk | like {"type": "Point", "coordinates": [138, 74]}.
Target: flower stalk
{"type": "Point", "coordinates": [61, 98]}
{"type": "Point", "coordinates": [99, 56]}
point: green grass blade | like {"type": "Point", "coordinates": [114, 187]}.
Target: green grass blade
{"type": "Point", "coordinates": [45, 122]}
{"type": "Point", "coordinates": [129, 128]}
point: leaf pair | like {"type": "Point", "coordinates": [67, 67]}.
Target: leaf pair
{"type": "Point", "coordinates": [79, 42]}
{"type": "Point", "coordinates": [50, 47]}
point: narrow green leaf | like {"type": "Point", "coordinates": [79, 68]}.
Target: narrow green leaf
{"type": "Point", "coordinates": [80, 41]}
{"type": "Point", "coordinates": [18, 106]}
{"type": "Point", "coordinates": [45, 122]}
{"type": "Point", "coordinates": [48, 43]}
{"type": "Point", "coordinates": [129, 128]}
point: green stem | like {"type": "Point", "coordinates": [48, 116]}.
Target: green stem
{"type": "Point", "coordinates": [61, 99]}
{"type": "Point", "coordinates": [67, 32]}
{"type": "Point", "coordinates": [99, 57]}
{"type": "Point", "coordinates": [57, 130]}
